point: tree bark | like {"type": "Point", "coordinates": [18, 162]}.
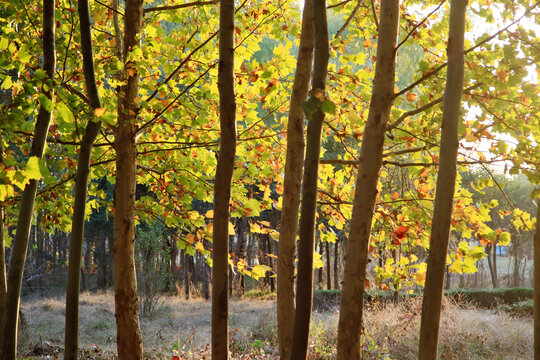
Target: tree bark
{"type": "Point", "coordinates": [352, 300]}
{"type": "Point", "coordinates": [446, 180]}
{"type": "Point", "coordinates": [304, 284]}
{"type": "Point", "coordinates": [24, 221]}
{"type": "Point", "coordinates": [336, 265]}
{"type": "Point", "coordinates": [81, 188]}
{"type": "Point", "coordinates": [490, 255]}
{"type": "Point", "coordinates": [3, 285]}
{"type": "Point", "coordinates": [129, 341]}
{"type": "Point", "coordinates": [223, 180]}
{"type": "Point", "coordinates": [536, 284]}
{"type": "Point", "coordinates": [294, 164]}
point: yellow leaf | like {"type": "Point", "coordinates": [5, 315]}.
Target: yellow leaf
{"type": "Point", "coordinates": [209, 214]}
{"type": "Point", "coordinates": [231, 229]}
{"type": "Point", "coordinates": [199, 246]}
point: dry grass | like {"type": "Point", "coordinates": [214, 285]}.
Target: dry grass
{"type": "Point", "coordinates": [180, 327]}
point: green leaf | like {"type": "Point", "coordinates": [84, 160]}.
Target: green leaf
{"type": "Point", "coordinates": [310, 106]}
{"type": "Point", "coordinates": [328, 107]}
{"type": "Point", "coordinates": [32, 168]}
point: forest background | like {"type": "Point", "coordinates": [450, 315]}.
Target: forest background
{"type": "Point", "coordinates": [173, 124]}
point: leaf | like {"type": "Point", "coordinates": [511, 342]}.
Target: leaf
{"type": "Point", "coordinates": [32, 168]}
{"type": "Point", "coordinates": [209, 214]}
{"type": "Point", "coordinates": [328, 107]}
{"type": "Point", "coordinates": [99, 112]}
{"type": "Point", "coordinates": [7, 84]}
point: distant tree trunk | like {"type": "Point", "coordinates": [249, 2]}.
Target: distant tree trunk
{"type": "Point", "coordinates": [517, 262]}
{"type": "Point", "coordinates": [304, 284]}
{"type": "Point", "coordinates": [336, 265]}
{"type": "Point", "coordinates": [270, 261]}
{"type": "Point", "coordinates": [352, 300]}
{"type": "Point", "coordinates": [328, 266]}
{"type": "Point", "coordinates": [446, 181]}
{"type": "Point", "coordinates": [294, 164]}
{"type": "Point", "coordinates": [24, 221]}
{"type": "Point", "coordinates": [102, 263]}
{"type": "Point", "coordinates": [495, 260]}
{"type": "Point", "coordinates": [223, 180]}
{"type": "Point", "coordinates": [536, 284]}
{"type": "Point", "coordinates": [3, 285]}
{"type": "Point", "coordinates": [129, 340]}
{"type": "Point", "coordinates": [490, 257]}
{"type": "Point", "coordinates": [173, 250]}
{"type": "Point", "coordinates": [187, 278]}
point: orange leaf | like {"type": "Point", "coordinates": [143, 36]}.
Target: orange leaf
{"type": "Point", "coordinates": [98, 112]}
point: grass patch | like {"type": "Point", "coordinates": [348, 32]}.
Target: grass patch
{"type": "Point", "coordinates": [182, 327]}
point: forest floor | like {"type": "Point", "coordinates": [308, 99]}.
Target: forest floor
{"type": "Point", "coordinates": [180, 329]}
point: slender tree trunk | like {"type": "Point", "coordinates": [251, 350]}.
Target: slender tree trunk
{"type": "Point", "coordinates": [336, 265]}
{"type": "Point", "coordinates": [3, 285]}
{"type": "Point", "coordinates": [490, 265]}
{"type": "Point", "coordinates": [81, 188]}
{"type": "Point", "coordinates": [129, 341]}
{"type": "Point", "coordinates": [294, 163]}
{"type": "Point", "coordinates": [24, 221]}
{"type": "Point", "coordinates": [536, 284]}
{"type": "Point", "coordinates": [223, 180]}
{"type": "Point", "coordinates": [352, 300]}
{"type": "Point", "coordinates": [495, 262]}
{"type": "Point", "coordinates": [328, 266]}
{"type": "Point", "coordinates": [446, 180]}
{"type": "Point", "coordinates": [304, 284]}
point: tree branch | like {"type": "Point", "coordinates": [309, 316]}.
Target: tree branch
{"type": "Point", "coordinates": [180, 6]}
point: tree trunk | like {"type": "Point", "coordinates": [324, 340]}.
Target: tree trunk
{"type": "Point", "coordinates": [129, 341]}
{"type": "Point", "coordinates": [294, 163]}
{"type": "Point", "coordinates": [495, 260]}
{"type": "Point", "coordinates": [336, 265]}
{"type": "Point", "coordinates": [3, 285]}
{"type": "Point", "coordinates": [536, 284]}
{"type": "Point", "coordinates": [187, 279]}
{"type": "Point", "coordinates": [102, 272]}
{"type": "Point", "coordinates": [352, 301]}
{"type": "Point", "coordinates": [304, 284]}
{"type": "Point", "coordinates": [328, 266]}
{"type": "Point", "coordinates": [490, 256]}
{"type": "Point", "coordinates": [222, 185]}
{"type": "Point", "coordinates": [24, 221]}
{"type": "Point", "coordinates": [446, 180]}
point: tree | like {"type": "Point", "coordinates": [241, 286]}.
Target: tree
{"type": "Point", "coordinates": [315, 107]}
{"type": "Point", "coordinates": [3, 285]}
{"type": "Point", "coordinates": [294, 165]}
{"type": "Point", "coordinates": [129, 340]}
{"type": "Point", "coordinates": [371, 153]}
{"type": "Point", "coordinates": [446, 180]}
{"type": "Point", "coordinates": [24, 221]}
{"type": "Point", "coordinates": [81, 188]}
{"type": "Point", "coordinates": [222, 184]}
{"type": "Point", "coordinates": [536, 284]}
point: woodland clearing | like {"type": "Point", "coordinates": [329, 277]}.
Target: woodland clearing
{"type": "Point", "coordinates": [180, 329]}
